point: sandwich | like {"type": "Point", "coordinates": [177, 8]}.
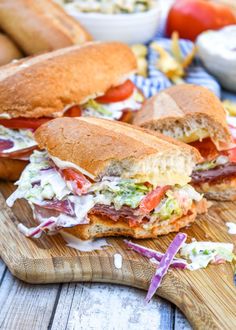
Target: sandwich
{"type": "Point", "coordinates": [194, 115]}
{"type": "Point", "coordinates": [96, 178]}
{"type": "Point", "coordinates": [9, 51]}
{"type": "Point", "coordinates": [86, 80]}
{"type": "Point", "coordinates": [40, 26]}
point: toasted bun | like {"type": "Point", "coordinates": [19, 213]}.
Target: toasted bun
{"type": "Point", "coordinates": [10, 169]}
{"type": "Point", "coordinates": [104, 227]}
{"type": "Point", "coordinates": [8, 50]}
{"type": "Point", "coordinates": [44, 85]}
{"type": "Point", "coordinates": [185, 108]}
{"type": "Point", "coordinates": [38, 26]}
{"type": "Point", "coordinates": [101, 147]}
{"type": "Point", "coordinates": [223, 190]}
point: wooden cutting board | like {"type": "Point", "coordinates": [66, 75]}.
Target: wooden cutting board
{"type": "Point", "coordinates": [207, 297]}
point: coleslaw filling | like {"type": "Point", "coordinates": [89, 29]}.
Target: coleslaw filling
{"type": "Point", "coordinates": [52, 197]}
{"type": "Point", "coordinates": [12, 140]}
{"type": "Point", "coordinates": [113, 110]}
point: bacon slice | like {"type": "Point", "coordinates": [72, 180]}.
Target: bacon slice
{"type": "Point", "coordinates": [217, 173]}
{"type": "Point", "coordinates": [61, 206]}
{"type": "Point", "coordinates": [131, 215]}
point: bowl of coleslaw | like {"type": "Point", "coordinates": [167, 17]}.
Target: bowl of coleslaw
{"type": "Point", "coordinates": [130, 21]}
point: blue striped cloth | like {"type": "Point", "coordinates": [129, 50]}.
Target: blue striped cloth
{"type": "Point", "coordinates": [157, 81]}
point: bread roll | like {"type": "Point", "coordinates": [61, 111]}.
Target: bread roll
{"type": "Point", "coordinates": [8, 50]}
{"type": "Point", "coordinates": [40, 26]}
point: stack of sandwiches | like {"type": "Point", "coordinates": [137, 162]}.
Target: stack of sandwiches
{"type": "Point", "coordinates": [94, 175]}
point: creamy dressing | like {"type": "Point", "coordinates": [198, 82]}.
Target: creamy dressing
{"type": "Point", "coordinates": [118, 261]}
{"type": "Point", "coordinates": [81, 245]}
{"type": "Point", "coordinates": [65, 164]}
{"type": "Point", "coordinates": [202, 253]}
{"type": "Point", "coordinates": [217, 51]}
{"type": "Point", "coordinates": [5, 115]}
{"type": "Point", "coordinates": [231, 228]}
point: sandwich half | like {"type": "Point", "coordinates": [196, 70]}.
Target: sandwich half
{"type": "Point", "coordinates": [194, 115]}
{"type": "Point", "coordinates": [98, 178]}
{"type": "Point", "coordinates": [86, 80]}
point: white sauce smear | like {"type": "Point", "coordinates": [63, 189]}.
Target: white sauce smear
{"type": "Point", "coordinates": [231, 228]}
{"type": "Point", "coordinates": [85, 246]}
{"type": "Point", "coordinates": [118, 260]}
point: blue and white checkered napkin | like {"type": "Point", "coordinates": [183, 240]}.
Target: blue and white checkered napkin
{"type": "Point", "coordinates": [157, 81]}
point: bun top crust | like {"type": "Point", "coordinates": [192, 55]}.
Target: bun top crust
{"type": "Point", "coordinates": [184, 102]}
{"type": "Point", "coordinates": [101, 147]}
{"type": "Point", "coordinates": [45, 84]}
{"type": "Point", "coordinates": [180, 100]}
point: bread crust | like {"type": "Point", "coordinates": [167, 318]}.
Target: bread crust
{"type": "Point", "coordinates": [104, 227]}
{"type": "Point", "coordinates": [38, 26]}
{"type": "Point", "coordinates": [80, 141]}
{"type": "Point", "coordinates": [181, 103]}
{"type": "Point", "coordinates": [45, 84]}
{"type": "Point", "coordinates": [9, 50]}
{"type": "Point", "coordinates": [223, 190]}
{"type": "Point", "coordinates": [10, 169]}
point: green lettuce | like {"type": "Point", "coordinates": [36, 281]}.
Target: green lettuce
{"type": "Point", "coordinates": [98, 107]}
{"type": "Point", "coordinates": [168, 209]}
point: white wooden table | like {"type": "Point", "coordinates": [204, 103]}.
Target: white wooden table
{"type": "Point", "coordinates": [82, 306]}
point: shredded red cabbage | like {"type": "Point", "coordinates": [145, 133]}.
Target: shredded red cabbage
{"type": "Point", "coordinates": [65, 206]}
{"type": "Point", "coordinates": [5, 144]}
{"type": "Point", "coordinates": [36, 231]}
{"type": "Point", "coordinates": [149, 253]}
{"type": "Point", "coordinates": [165, 263]}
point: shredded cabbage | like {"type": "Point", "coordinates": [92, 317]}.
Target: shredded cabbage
{"type": "Point", "coordinates": [221, 160]}
{"type": "Point", "coordinates": [202, 253]}
{"type": "Point", "coordinates": [177, 202]}
{"type": "Point", "coordinates": [120, 192]}
{"type": "Point", "coordinates": [42, 184]}
{"type": "Point", "coordinates": [22, 138]}
{"type": "Point", "coordinates": [113, 110]}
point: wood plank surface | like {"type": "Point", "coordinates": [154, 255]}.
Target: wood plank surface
{"type": "Point", "coordinates": [72, 302]}
{"type": "Point", "coordinates": [25, 306]}
{"type": "Point", "coordinates": [207, 297]}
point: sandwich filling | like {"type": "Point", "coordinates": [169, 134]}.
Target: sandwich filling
{"type": "Point", "coordinates": [62, 197]}
{"type": "Point", "coordinates": [217, 165]}
{"type": "Point", "coordinates": [16, 134]}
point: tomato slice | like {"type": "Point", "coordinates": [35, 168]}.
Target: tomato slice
{"type": "Point", "coordinates": [127, 116]}
{"type": "Point", "coordinates": [74, 111]}
{"type": "Point", "coordinates": [232, 155]}
{"type": "Point", "coordinates": [79, 183]}
{"type": "Point", "coordinates": [117, 94]}
{"type": "Point", "coordinates": [153, 199]}
{"type": "Point", "coordinates": [17, 123]}
{"type": "Point", "coordinates": [206, 148]}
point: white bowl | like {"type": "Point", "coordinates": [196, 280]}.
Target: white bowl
{"type": "Point", "coordinates": [128, 28]}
